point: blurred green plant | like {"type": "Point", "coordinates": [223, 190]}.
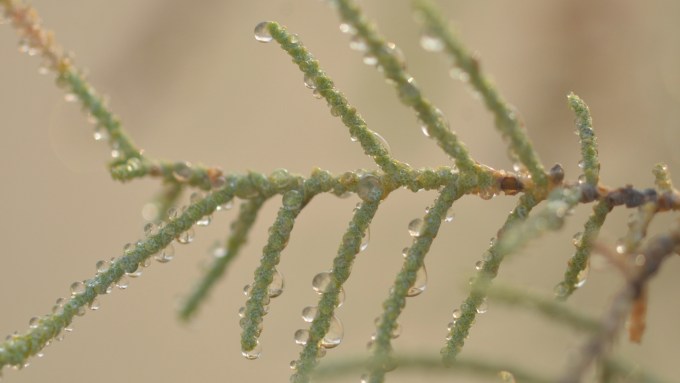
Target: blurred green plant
{"type": "Point", "coordinates": [637, 257]}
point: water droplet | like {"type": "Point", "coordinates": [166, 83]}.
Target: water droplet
{"type": "Point", "coordinates": [621, 248]}
{"type": "Point", "coordinates": [276, 287]}
{"type": "Point", "coordinates": [186, 237]}
{"type": "Point", "coordinates": [582, 276]}
{"type": "Point", "coordinates": [415, 227]}
{"type": "Point", "coordinates": [409, 94]}
{"type": "Point", "coordinates": [369, 188]}
{"type": "Point", "coordinates": [254, 353]}
{"type": "Point", "coordinates": [226, 206]}
{"type": "Point", "coordinates": [581, 179]}
{"type": "Point", "coordinates": [204, 221]}
{"type": "Point", "coordinates": [317, 94]}
{"type": "Point", "coordinates": [123, 283]}
{"type": "Point", "coordinates": [581, 164]}
{"type": "Point", "coordinates": [77, 288]}
{"type": "Point", "coordinates": [247, 289]}
{"type": "Point", "coordinates": [431, 43]}
{"type": "Point", "coordinates": [102, 266]}
{"type": "Point", "coordinates": [479, 265]}
{"type": "Point", "coordinates": [293, 365]}
{"type": "Point", "coordinates": [262, 32]}
{"type": "Point", "coordinates": [404, 252]}
{"type": "Point", "coordinates": [150, 229]}
{"type": "Point", "coordinates": [640, 260]}
{"type": "Point", "coordinates": [182, 171]}
{"type": "Point", "coordinates": [365, 239]}
{"type": "Point", "coordinates": [334, 335]}
{"type": "Point", "coordinates": [383, 142]}
{"type": "Point", "coordinates": [357, 43]}
{"type": "Point", "coordinates": [321, 282]}
{"type": "Point", "coordinates": [34, 322]}
{"type": "Point", "coordinates": [242, 312]}
{"type": "Point", "coordinates": [301, 337]}
{"type": "Point", "coordinates": [577, 239]}
{"type": "Point", "coordinates": [561, 290]}
{"type": "Point", "coordinates": [94, 305]}
{"type": "Point", "coordinates": [309, 313]}
{"type": "Point", "coordinates": [449, 215]}
{"type": "Point", "coordinates": [70, 97]}
{"type": "Point", "coordinates": [364, 378]}
{"type": "Point", "coordinates": [483, 307]}
{"type": "Point", "coordinates": [506, 377]}
{"type": "Point", "coordinates": [292, 200]}
{"type": "Point", "coordinates": [100, 134]}
{"type": "Point", "coordinates": [458, 74]}
{"type": "Point", "coordinates": [309, 81]}
{"type": "Point", "coordinates": [420, 283]}
{"type": "Point", "coordinates": [166, 255]}
{"type": "Point", "coordinates": [370, 60]}
{"type": "Point", "coordinates": [457, 314]}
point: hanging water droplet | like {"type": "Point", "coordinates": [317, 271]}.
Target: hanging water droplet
{"type": "Point", "coordinates": [100, 133]}
{"type": "Point", "coordinates": [383, 142]}
{"type": "Point", "coordinates": [309, 313]}
{"type": "Point", "coordinates": [483, 307]}
{"type": "Point", "coordinates": [581, 164]}
{"type": "Point", "coordinates": [334, 335]}
{"type": "Point", "coordinates": [409, 94]}
{"type": "Point", "coordinates": [70, 97]}
{"type": "Point", "coordinates": [77, 288]}
{"type": "Point", "coordinates": [276, 287]}
{"type": "Point", "coordinates": [581, 179]}
{"type": "Point", "coordinates": [150, 229]}
{"type": "Point", "coordinates": [365, 239]}
{"type": "Point", "coordinates": [577, 239]}
{"type": "Point", "coordinates": [357, 43]}
{"type": "Point", "coordinates": [34, 322]}
{"type": "Point", "coordinates": [94, 305]}
{"type": "Point", "coordinates": [182, 171]}
{"type": "Point", "coordinates": [420, 283]}
{"type": "Point", "coordinates": [254, 353]}
{"type": "Point", "coordinates": [415, 227]}
{"type": "Point", "coordinates": [225, 206]}
{"type": "Point", "coordinates": [457, 73]}
{"type": "Point", "coordinates": [370, 60]}
{"type": "Point", "coordinates": [582, 276]}
{"type": "Point", "coordinates": [404, 252]}
{"type": "Point", "coordinates": [561, 290]}
{"type": "Point", "coordinates": [247, 289]}
{"type": "Point", "coordinates": [309, 81]}
{"type": "Point", "coordinates": [204, 221]}
{"type": "Point", "coordinates": [479, 265]}
{"type": "Point", "coordinates": [369, 188]}
{"type": "Point", "coordinates": [242, 312]}
{"type": "Point", "coordinates": [457, 314]}
{"type": "Point", "coordinates": [186, 237]}
{"type": "Point", "coordinates": [123, 283]}
{"type": "Point", "coordinates": [262, 32]}
{"type": "Point", "coordinates": [431, 42]}
{"type": "Point", "coordinates": [449, 215]}
{"type": "Point", "coordinates": [506, 377]}
{"type": "Point", "coordinates": [341, 297]}
{"type": "Point", "coordinates": [321, 282]}
{"type": "Point", "coordinates": [317, 94]}
{"type": "Point", "coordinates": [621, 247]}
{"type": "Point", "coordinates": [102, 266]}
{"type": "Point", "coordinates": [292, 200]}
{"type": "Point", "coordinates": [293, 365]}
{"type": "Point", "coordinates": [301, 337]}
{"type": "Point", "coordinates": [166, 255]}
{"type": "Point", "coordinates": [347, 28]}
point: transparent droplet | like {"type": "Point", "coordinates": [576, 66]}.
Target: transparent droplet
{"type": "Point", "coordinates": [150, 229]}
{"type": "Point", "coordinates": [123, 283]}
{"type": "Point", "coordinates": [457, 313]}
{"type": "Point", "coordinates": [458, 74]}
{"type": "Point", "coordinates": [365, 239]}
{"type": "Point", "coordinates": [561, 290]}
{"type": "Point", "coordinates": [347, 28]}
{"type": "Point", "coordinates": [292, 200]}
{"type": "Point", "coordinates": [309, 313]}
{"type": "Point", "coordinates": [364, 378]}
{"type": "Point", "coordinates": [242, 312]}
{"type": "Point", "coordinates": [409, 94]}
{"type": "Point", "coordinates": [341, 296]}
{"type": "Point", "coordinates": [70, 97]}
{"type": "Point", "coordinates": [254, 353]}
{"type": "Point", "coordinates": [404, 252]}
{"type": "Point", "coordinates": [102, 266]}
{"type": "Point", "coordinates": [301, 337]}
{"type": "Point", "coordinates": [357, 43]}
{"type": "Point", "coordinates": [506, 377]}
{"type": "Point", "coordinates": [621, 248]}
{"type": "Point", "coordinates": [100, 134]}
{"type": "Point", "coordinates": [226, 206]}
{"type": "Point", "coordinates": [581, 164]}
{"type": "Point", "coordinates": [640, 260]}
{"type": "Point", "coordinates": [34, 322]}
{"type": "Point", "coordinates": [317, 94]}
{"type": "Point", "coordinates": [582, 276]}
{"type": "Point", "coordinates": [449, 215]}
{"type": "Point", "coordinates": [186, 237]}
{"type": "Point", "coordinates": [479, 265]}
{"type": "Point", "coordinates": [321, 282]}
{"type": "Point", "coordinates": [370, 60]}
{"type": "Point", "coordinates": [420, 283]}
{"type": "Point", "coordinates": [204, 221]}
{"type": "Point", "coordinates": [247, 290]}
{"type": "Point", "coordinates": [383, 142]}
{"type": "Point", "coordinates": [334, 335]}
{"type": "Point", "coordinates": [577, 239]}
{"type": "Point", "coordinates": [431, 43]}
{"type": "Point", "coordinates": [415, 227]}
{"type": "Point", "coordinates": [77, 288]}
{"type": "Point", "coordinates": [369, 188]}
{"type": "Point", "coordinates": [293, 365]}
{"type": "Point", "coordinates": [94, 305]}
{"type": "Point", "coordinates": [182, 171]}
{"type": "Point", "coordinates": [262, 32]}
{"type": "Point", "coordinates": [309, 81]}
{"type": "Point", "coordinates": [483, 307]}
{"type": "Point", "coordinates": [276, 287]}
{"type": "Point", "coordinates": [166, 255]}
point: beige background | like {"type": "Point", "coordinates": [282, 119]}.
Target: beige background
{"type": "Point", "coordinates": [190, 82]}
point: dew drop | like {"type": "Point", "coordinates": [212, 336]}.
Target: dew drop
{"type": "Point", "coordinates": [309, 313]}
{"type": "Point", "coordinates": [70, 97]}
{"type": "Point", "coordinates": [409, 94]}
{"type": "Point", "coordinates": [383, 142]}
{"type": "Point", "coordinates": [182, 171]}
{"type": "Point", "coordinates": [301, 337]}
{"type": "Point", "coordinates": [166, 255]}
{"type": "Point", "coordinates": [479, 265]}
{"type": "Point", "coordinates": [458, 74]}
{"type": "Point", "coordinates": [431, 43]}
{"type": "Point", "coordinates": [369, 188]}
{"type": "Point", "coordinates": [102, 266]}
{"type": "Point", "coordinates": [561, 290]}
{"type": "Point", "coordinates": [621, 248]}
{"type": "Point", "coordinates": [457, 314]}
{"type": "Point", "coordinates": [242, 312]}
{"type": "Point", "coordinates": [204, 221]}
{"type": "Point", "coordinates": [293, 365]}
{"type": "Point", "coordinates": [341, 297]}
{"type": "Point", "coordinates": [100, 134]}
{"type": "Point", "coordinates": [247, 289]}
{"type": "Point", "coordinates": [449, 215]}
{"type": "Point", "coordinates": [309, 81]}
{"type": "Point", "coordinates": [186, 237]}
{"type": "Point", "coordinates": [292, 200]}
{"type": "Point", "coordinates": [226, 206]}
{"type": "Point", "coordinates": [415, 227]}
{"type": "Point", "coordinates": [577, 239]}
{"type": "Point", "coordinates": [321, 282]}
{"type": "Point", "coordinates": [94, 305]}
{"type": "Point", "coordinates": [365, 239]}
{"type": "Point", "coordinates": [404, 252]}
{"type": "Point", "coordinates": [77, 288]}
{"type": "Point", "coordinates": [334, 335]}
{"type": "Point", "coordinates": [356, 43]}
{"type": "Point", "coordinates": [317, 94]}
{"type": "Point", "coordinates": [262, 32]}
{"type": "Point", "coordinates": [483, 307]}
{"type": "Point", "coordinates": [254, 353]}
{"type": "Point", "coordinates": [150, 229]}
{"type": "Point", "coordinates": [506, 377]}
{"type": "Point", "coordinates": [123, 283]}
{"type": "Point", "coordinates": [420, 283]}
{"type": "Point", "coordinates": [582, 276]}
{"type": "Point", "coordinates": [34, 322]}
{"type": "Point", "coordinates": [276, 287]}
{"type": "Point", "coordinates": [581, 164]}
{"type": "Point", "coordinates": [370, 60]}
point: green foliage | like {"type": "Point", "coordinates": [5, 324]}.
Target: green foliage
{"type": "Point", "coordinates": [638, 257]}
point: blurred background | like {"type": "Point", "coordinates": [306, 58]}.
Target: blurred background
{"type": "Point", "coordinates": [190, 83]}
